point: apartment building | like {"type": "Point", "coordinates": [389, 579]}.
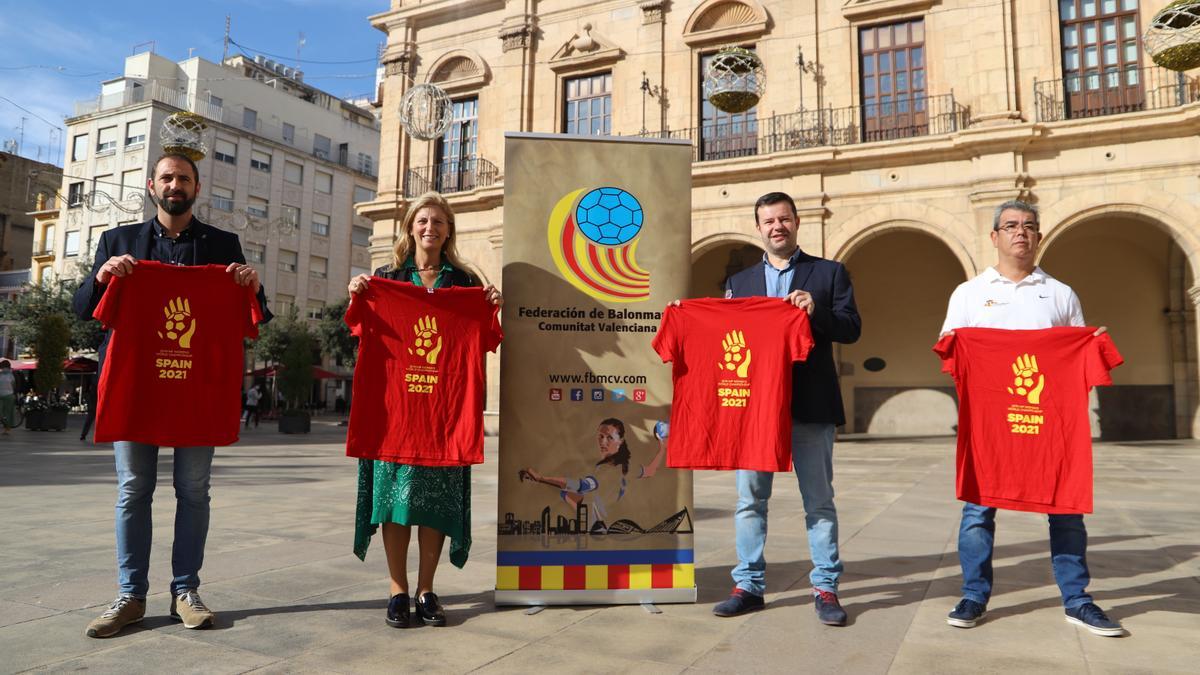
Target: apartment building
{"type": "Point", "coordinates": [898, 126]}
{"type": "Point", "coordinates": [286, 163]}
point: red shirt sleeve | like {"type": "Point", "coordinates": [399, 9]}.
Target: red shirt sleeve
{"type": "Point", "coordinates": [354, 313]}
{"type": "Point", "coordinates": [1102, 357]}
{"type": "Point", "coordinates": [664, 338]}
{"type": "Point", "coordinates": [945, 350]}
{"type": "Point", "coordinates": [493, 334]}
{"type": "Point", "coordinates": [254, 316]}
{"type": "Point", "coordinates": [799, 334]}
{"type": "Point", "coordinates": [106, 311]}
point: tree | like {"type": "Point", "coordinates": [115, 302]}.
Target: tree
{"type": "Point", "coordinates": [296, 373]}
{"type": "Point", "coordinates": [334, 335]}
{"type": "Point", "coordinates": [53, 297]}
{"type": "Point", "coordinates": [50, 348]}
{"type": "Point", "coordinates": [273, 338]}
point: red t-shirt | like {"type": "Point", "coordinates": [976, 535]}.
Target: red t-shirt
{"type": "Point", "coordinates": [732, 369]}
{"type": "Point", "coordinates": [1024, 441]}
{"type": "Point", "coordinates": [419, 381]}
{"type": "Point", "coordinates": [173, 371]}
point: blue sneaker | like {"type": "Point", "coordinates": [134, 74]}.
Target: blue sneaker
{"type": "Point", "coordinates": [966, 614]}
{"type": "Point", "coordinates": [829, 610]}
{"type": "Point", "coordinates": [739, 602]}
{"type": "Point", "coordinates": [1095, 620]}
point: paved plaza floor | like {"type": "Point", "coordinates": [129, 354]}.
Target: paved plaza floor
{"type": "Point", "coordinates": [291, 596]}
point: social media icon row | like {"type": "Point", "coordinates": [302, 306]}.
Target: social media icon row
{"type": "Point", "coordinates": [639, 395]}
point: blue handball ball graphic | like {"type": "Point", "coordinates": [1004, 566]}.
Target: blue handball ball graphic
{"type": "Point", "coordinates": [609, 216]}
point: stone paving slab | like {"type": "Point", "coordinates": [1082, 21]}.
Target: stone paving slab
{"type": "Point", "coordinates": [291, 597]}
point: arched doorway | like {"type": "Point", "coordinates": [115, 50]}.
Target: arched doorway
{"type": "Point", "coordinates": [1132, 277]}
{"type": "Point", "coordinates": [714, 264]}
{"type": "Point", "coordinates": [891, 380]}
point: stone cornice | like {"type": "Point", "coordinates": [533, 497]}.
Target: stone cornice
{"type": "Point", "coordinates": [859, 10]}
{"type": "Point", "coordinates": [430, 12]}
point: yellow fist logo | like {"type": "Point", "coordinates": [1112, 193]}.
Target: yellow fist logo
{"type": "Point", "coordinates": [1024, 369]}
{"type": "Point", "coordinates": [737, 355]}
{"type": "Point", "coordinates": [427, 343]}
{"type": "Point", "coordinates": [180, 323]}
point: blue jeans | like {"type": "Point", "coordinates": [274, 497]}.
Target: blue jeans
{"type": "Point", "coordinates": [137, 474]}
{"type": "Point", "coordinates": [812, 458]}
{"type": "Point", "coordinates": [1068, 554]}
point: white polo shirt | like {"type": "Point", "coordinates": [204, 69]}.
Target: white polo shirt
{"type": "Point", "coordinates": [992, 301]}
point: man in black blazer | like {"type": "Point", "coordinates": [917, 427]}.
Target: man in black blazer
{"type": "Point", "coordinates": [173, 236]}
{"type": "Point", "coordinates": [821, 288]}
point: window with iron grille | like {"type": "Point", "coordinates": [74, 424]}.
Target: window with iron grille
{"type": "Point", "coordinates": [892, 68]}
{"type": "Point", "coordinates": [455, 151]}
{"type": "Point", "coordinates": [1101, 52]}
{"type": "Point", "coordinates": [587, 105]}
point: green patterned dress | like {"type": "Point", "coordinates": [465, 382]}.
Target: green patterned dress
{"type": "Point", "coordinates": [437, 497]}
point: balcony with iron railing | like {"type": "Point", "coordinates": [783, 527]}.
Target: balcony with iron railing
{"type": "Point", "coordinates": [449, 177]}
{"type": "Point", "coordinates": [1114, 92]}
{"type": "Point", "coordinates": [902, 118]}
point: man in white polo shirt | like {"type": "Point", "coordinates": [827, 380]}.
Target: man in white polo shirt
{"type": "Point", "coordinates": [1016, 294]}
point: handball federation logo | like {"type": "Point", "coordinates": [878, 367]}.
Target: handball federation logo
{"type": "Point", "coordinates": [593, 238]}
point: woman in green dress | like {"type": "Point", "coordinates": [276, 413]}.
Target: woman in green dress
{"type": "Point", "coordinates": [436, 500]}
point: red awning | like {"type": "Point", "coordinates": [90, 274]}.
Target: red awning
{"type": "Point", "coordinates": [78, 364]}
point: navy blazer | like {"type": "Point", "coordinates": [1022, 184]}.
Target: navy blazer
{"type": "Point", "coordinates": [211, 246]}
{"type": "Point", "coordinates": [816, 396]}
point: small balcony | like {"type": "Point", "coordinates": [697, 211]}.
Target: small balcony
{"type": "Point", "coordinates": [1114, 92]}
{"type": "Point", "coordinates": [901, 118]}
{"type": "Point", "coordinates": [459, 175]}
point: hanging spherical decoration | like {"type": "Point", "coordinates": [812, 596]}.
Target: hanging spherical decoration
{"type": "Point", "coordinates": [183, 133]}
{"type": "Point", "coordinates": [1173, 39]}
{"type": "Point", "coordinates": [734, 80]}
{"type": "Point", "coordinates": [426, 111]}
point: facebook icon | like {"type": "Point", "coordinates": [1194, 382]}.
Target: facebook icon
{"type": "Point", "coordinates": [576, 394]}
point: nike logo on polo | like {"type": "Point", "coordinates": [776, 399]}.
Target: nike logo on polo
{"type": "Point", "coordinates": [1043, 297]}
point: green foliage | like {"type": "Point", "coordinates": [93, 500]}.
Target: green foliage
{"type": "Point", "coordinates": [296, 375]}
{"type": "Point", "coordinates": [53, 297]}
{"type": "Point", "coordinates": [50, 348]}
{"type": "Point", "coordinates": [334, 335]}
{"type": "Point", "coordinates": [273, 338]}
{"type": "Point", "coordinates": [288, 342]}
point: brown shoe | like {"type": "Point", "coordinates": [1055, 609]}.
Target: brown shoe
{"type": "Point", "coordinates": [123, 611]}
{"type": "Point", "coordinates": [189, 608]}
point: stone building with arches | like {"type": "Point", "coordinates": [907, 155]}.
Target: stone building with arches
{"type": "Point", "coordinates": [897, 125]}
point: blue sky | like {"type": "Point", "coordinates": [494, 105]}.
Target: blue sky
{"type": "Point", "coordinates": [55, 52]}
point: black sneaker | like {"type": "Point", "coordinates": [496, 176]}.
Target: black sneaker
{"type": "Point", "coordinates": [1094, 619]}
{"type": "Point", "coordinates": [829, 610]}
{"type": "Point", "coordinates": [739, 602]}
{"type": "Point", "coordinates": [966, 614]}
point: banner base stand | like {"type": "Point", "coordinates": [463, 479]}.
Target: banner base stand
{"type": "Point", "coordinates": [622, 596]}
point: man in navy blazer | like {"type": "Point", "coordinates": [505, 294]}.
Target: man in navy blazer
{"type": "Point", "coordinates": [821, 288]}
{"type": "Point", "coordinates": [172, 236]}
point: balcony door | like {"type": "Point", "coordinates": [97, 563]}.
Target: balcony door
{"type": "Point", "coordinates": [1101, 57]}
{"type": "Point", "coordinates": [894, 95]}
{"type": "Point", "coordinates": [455, 160]}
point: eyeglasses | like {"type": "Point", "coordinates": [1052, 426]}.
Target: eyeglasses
{"type": "Point", "coordinates": [1013, 228]}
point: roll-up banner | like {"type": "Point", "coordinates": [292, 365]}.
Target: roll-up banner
{"type": "Point", "coordinates": [597, 235]}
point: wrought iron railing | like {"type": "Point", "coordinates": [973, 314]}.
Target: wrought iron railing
{"type": "Point", "coordinates": [458, 175]}
{"type": "Point", "coordinates": [902, 118]}
{"type": "Point", "coordinates": [1114, 92]}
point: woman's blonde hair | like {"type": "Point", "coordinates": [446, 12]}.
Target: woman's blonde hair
{"type": "Point", "coordinates": [405, 244]}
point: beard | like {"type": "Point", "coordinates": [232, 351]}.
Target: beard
{"type": "Point", "coordinates": [175, 208]}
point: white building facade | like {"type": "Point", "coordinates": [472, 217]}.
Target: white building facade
{"type": "Point", "coordinates": [286, 163]}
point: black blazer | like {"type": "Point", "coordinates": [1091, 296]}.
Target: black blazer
{"type": "Point", "coordinates": [816, 396]}
{"type": "Point", "coordinates": [211, 247]}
